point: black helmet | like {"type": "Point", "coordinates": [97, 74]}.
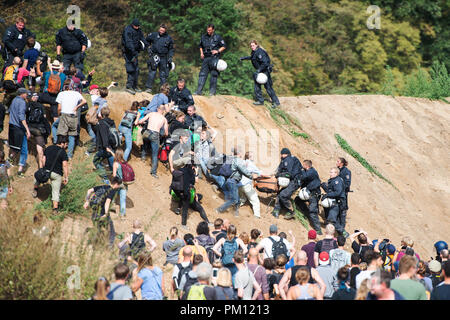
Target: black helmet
{"type": "Point", "coordinates": [440, 245]}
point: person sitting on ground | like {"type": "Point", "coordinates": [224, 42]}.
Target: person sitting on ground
{"type": "Point", "coordinates": [244, 281]}
{"type": "Point", "coordinates": [136, 242]}
{"type": "Point", "coordinates": [5, 182]}
{"type": "Point", "coordinates": [406, 284]}
{"type": "Point", "coordinates": [304, 290]}
{"type": "Point", "coordinates": [55, 160]}
{"type": "Point", "coordinates": [442, 292]}
{"type": "Point", "coordinates": [380, 287]}
{"type": "Point", "coordinates": [224, 286]}
{"type": "Point", "coordinates": [148, 278]}
{"type": "Point", "coordinates": [102, 288]}
{"type": "Point", "coordinates": [344, 291]}
{"type": "Point", "coordinates": [363, 244]}
{"type": "Point", "coordinates": [38, 126]}
{"type": "Point", "coordinates": [202, 290]}
{"type": "Point", "coordinates": [118, 289]}
{"type": "Point", "coordinates": [181, 154]}
{"type": "Point", "coordinates": [172, 246]}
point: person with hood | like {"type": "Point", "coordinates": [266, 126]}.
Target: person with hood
{"type": "Point", "coordinates": [104, 148]}
{"type": "Point", "coordinates": [290, 167]}
{"type": "Point", "coordinates": [133, 41]}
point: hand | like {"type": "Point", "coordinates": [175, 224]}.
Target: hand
{"type": "Point", "coordinates": [10, 190]}
{"type": "Point", "coordinates": [28, 135]}
{"type": "Point", "coordinates": [241, 58]}
{"type": "Point", "coordinates": [91, 73]}
{"type": "Point", "coordinates": [195, 242]}
{"type": "Point", "coordinates": [38, 62]}
{"type": "Point", "coordinates": [215, 52]}
{"type": "Point", "coordinates": [58, 57]}
{"type": "Point", "coordinates": [86, 205]}
{"type": "Point", "coordinates": [254, 176]}
{"type": "Point", "coordinates": [65, 181]}
{"type": "Point", "coordinates": [202, 56]}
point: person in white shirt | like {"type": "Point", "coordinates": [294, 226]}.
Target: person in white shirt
{"type": "Point", "coordinates": [69, 101]}
{"type": "Point", "coordinates": [374, 262]}
{"type": "Point", "coordinates": [267, 243]}
{"type": "Point", "coordinates": [247, 191]}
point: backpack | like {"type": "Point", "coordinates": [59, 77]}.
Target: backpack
{"type": "Point", "coordinates": [128, 119]}
{"type": "Point", "coordinates": [327, 245]}
{"type": "Point", "coordinates": [163, 154]}
{"type": "Point", "coordinates": [35, 114]}
{"type": "Point", "coordinates": [181, 272]}
{"type": "Point", "coordinates": [208, 244]}
{"type": "Point", "coordinates": [177, 181]}
{"type": "Point", "coordinates": [137, 244]}
{"type": "Point", "coordinates": [127, 173]}
{"type": "Point", "coordinates": [91, 116]}
{"type": "Point", "coordinates": [114, 137]}
{"type": "Point", "coordinates": [188, 284]}
{"type": "Point", "coordinates": [338, 259]}
{"type": "Point", "coordinates": [10, 78]}
{"type": "Point", "coordinates": [54, 83]}
{"type": "Point", "coordinates": [228, 250]}
{"type": "Point", "coordinates": [196, 292]}
{"type": "Point", "coordinates": [278, 247]}
{"type": "Point", "coordinates": [225, 170]}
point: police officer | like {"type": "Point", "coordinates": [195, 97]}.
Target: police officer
{"type": "Point", "coordinates": [335, 189]}
{"type": "Point", "coordinates": [14, 41]}
{"type": "Point", "coordinates": [73, 43]}
{"type": "Point", "coordinates": [181, 96]}
{"type": "Point", "coordinates": [133, 42]}
{"type": "Point", "coordinates": [211, 46]}
{"type": "Point", "coordinates": [289, 167]}
{"type": "Point", "coordinates": [346, 175]}
{"type": "Point", "coordinates": [261, 62]}
{"type": "Point", "coordinates": [309, 179]}
{"type": "Point", "coordinates": [160, 52]}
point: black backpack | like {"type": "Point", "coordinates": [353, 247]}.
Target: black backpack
{"type": "Point", "coordinates": [181, 272]}
{"type": "Point", "coordinates": [35, 113]}
{"type": "Point", "coordinates": [225, 170]}
{"type": "Point", "coordinates": [278, 247]}
{"type": "Point", "coordinates": [177, 181]}
{"type": "Point", "coordinates": [208, 244]}
{"type": "Point", "coordinates": [137, 244]}
{"type": "Point", "coordinates": [327, 245]}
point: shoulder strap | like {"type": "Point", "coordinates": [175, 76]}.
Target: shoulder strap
{"type": "Point", "coordinates": [56, 159]}
{"type": "Point", "coordinates": [112, 291]}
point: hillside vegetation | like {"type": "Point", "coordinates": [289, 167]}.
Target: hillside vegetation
{"type": "Point", "coordinates": [316, 47]}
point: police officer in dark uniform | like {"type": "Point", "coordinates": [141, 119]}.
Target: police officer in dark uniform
{"type": "Point", "coordinates": [73, 43]}
{"type": "Point", "coordinates": [133, 42]}
{"type": "Point", "coordinates": [160, 52]}
{"type": "Point", "coordinates": [14, 41]}
{"type": "Point", "coordinates": [211, 46]}
{"type": "Point", "coordinates": [346, 175]}
{"type": "Point", "coordinates": [335, 189]}
{"type": "Point", "coordinates": [289, 167]}
{"type": "Point", "coordinates": [261, 62]}
{"type": "Point", "coordinates": [310, 180]}
{"type": "Point", "coordinates": [181, 96]}
{"type": "Point", "coordinates": [193, 120]}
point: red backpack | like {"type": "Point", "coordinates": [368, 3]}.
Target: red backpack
{"type": "Point", "coordinates": [127, 173]}
{"type": "Point", "coordinates": [163, 154]}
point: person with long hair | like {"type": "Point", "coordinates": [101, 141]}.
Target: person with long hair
{"type": "Point", "coordinates": [172, 246]}
{"type": "Point", "coordinates": [304, 290]}
{"type": "Point", "coordinates": [148, 278]}
{"type": "Point", "coordinates": [117, 172]}
{"type": "Point", "coordinates": [101, 289]}
{"type": "Point", "coordinates": [261, 62]}
{"type": "Point", "coordinates": [224, 288]}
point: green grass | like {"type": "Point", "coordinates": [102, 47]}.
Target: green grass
{"type": "Point", "coordinates": [300, 216]}
{"type": "Point", "coordinates": [347, 148]}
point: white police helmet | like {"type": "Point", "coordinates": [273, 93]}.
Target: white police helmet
{"type": "Point", "coordinates": [261, 78]}
{"type": "Point", "coordinates": [304, 194]}
{"type": "Point", "coordinates": [172, 66]}
{"type": "Point", "coordinates": [37, 46]}
{"type": "Point", "coordinates": [221, 65]}
{"type": "Point", "coordinates": [328, 203]}
{"type": "Point", "coordinates": [283, 182]}
{"type": "Point", "coordinates": [89, 44]}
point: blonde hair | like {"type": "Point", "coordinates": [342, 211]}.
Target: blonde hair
{"type": "Point", "coordinates": [330, 229]}
{"type": "Point", "coordinates": [224, 277]}
{"type": "Point", "coordinates": [144, 259]}
{"type": "Point", "coordinates": [137, 224]}
{"type": "Point", "coordinates": [244, 237]}
{"type": "Point", "coordinates": [302, 276]}
{"type": "Point", "coordinates": [363, 290]}
{"type": "Point", "coordinates": [363, 266]}
{"type": "Point", "coordinates": [118, 155]}
{"type": "Point", "coordinates": [256, 42]}
{"type": "Point", "coordinates": [101, 289]}
{"type": "Point", "coordinates": [408, 241]}
{"type": "Point", "coordinates": [173, 232]}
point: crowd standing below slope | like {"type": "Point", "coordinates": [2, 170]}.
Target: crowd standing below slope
{"type": "Point", "coordinates": [214, 265]}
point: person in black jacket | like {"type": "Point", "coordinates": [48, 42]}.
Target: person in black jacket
{"type": "Point", "coordinates": [309, 179]}
{"type": "Point", "coordinates": [346, 175]}
{"type": "Point", "coordinates": [160, 49]}
{"type": "Point", "coordinates": [104, 148]}
{"type": "Point", "coordinates": [261, 62]}
{"type": "Point", "coordinates": [181, 96]}
{"type": "Point", "coordinates": [73, 43]}
{"type": "Point", "coordinates": [39, 127]}
{"type": "Point", "coordinates": [133, 41]}
{"type": "Point", "coordinates": [335, 189]}
{"type": "Point", "coordinates": [211, 46]}
{"type": "Point", "coordinates": [14, 40]}
{"type": "Point", "coordinates": [289, 167]}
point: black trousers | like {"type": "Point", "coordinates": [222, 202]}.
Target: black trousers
{"type": "Point", "coordinates": [196, 206]}
{"type": "Point", "coordinates": [208, 67]}
{"type": "Point", "coordinates": [269, 89]}
{"type": "Point", "coordinates": [312, 209]}
{"type": "Point", "coordinates": [132, 68]}
{"type": "Point", "coordinates": [284, 196]}
{"type": "Point", "coordinates": [72, 58]}
{"type": "Point", "coordinates": [163, 72]}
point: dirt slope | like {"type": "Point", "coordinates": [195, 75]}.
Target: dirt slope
{"type": "Point", "coordinates": [406, 139]}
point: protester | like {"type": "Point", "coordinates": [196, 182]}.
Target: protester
{"type": "Point", "coordinates": [172, 246]}
{"type": "Point", "coordinates": [102, 288]}
{"type": "Point", "coordinates": [304, 290]}
{"type": "Point", "coordinates": [148, 278]}
{"type": "Point", "coordinates": [339, 257]}
{"type": "Point", "coordinates": [136, 242]}
{"type": "Point", "coordinates": [117, 172]}
{"type": "Point", "coordinates": [380, 287]}
{"type": "Point", "coordinates": [344, 291]}
{"type": "Point", "coordinates": [202, 290]}
{"type": "Point", "coordinates": [244, 281]}
{"type": "Point", "coordinates": [405, 285]}
{"type": "Point", "coordinates": [310, 246]}
{"type": "Point", "coordinates": [435, 268]}
{"type": "Point", "coordinates": [259, 273]}
{"type": "Point", "coordinates": [126, 128]}
{"type": "Point", "coordinates": [442, 292]}
{"type": "Point", "coordinates": [224, 287]}
{"type": "Point", "coordinates": [183, 266]}
{"type": "Point", "coordinates": [374, 262]}
{"type": "Point", "coordinates": [118, 289]}
{"type": "Point", "coordinates": [325, 245]}
{"type": "Point", "coordinates": [104, 148]}
{"type": "Point", "coordinates": [189, 278]}
{"type": "Point", "coordinates": [354, 268]}
{"type": "Point", "coordinates": [247, 191]}
{"type": "Point", "coordinates": [274, 245]}
{"type": "Point", "coordinates": [327, 274]}
{"type": "Point", "coordinates": [38, 126]}
{"type": "Point", "coordinates": [196, 248]}
{"type": "Point", "coordinates": [363, 244]}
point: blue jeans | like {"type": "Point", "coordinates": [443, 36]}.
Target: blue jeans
{"type": "Point", "coordinates": [71, 147]}
{"type": "Point", "coordinates": [155, 147]}
{"type": "Point", "coordinates": [123, 200]}
{"type": "Point", "coordinates": [55, 130]}
{"type": "Point", "coordinates": [231, 192]}
{"type": "Point", "coordinates": [23, 152]}
{"type": "Point", "coordinates": [91, 133]}
{"type": "Point", "coordinates": [127, 133]}
{"type": "Point", "coordinates": [219, 180]}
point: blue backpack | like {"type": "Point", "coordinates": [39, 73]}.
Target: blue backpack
{"type": "Point", "coordinates": [225, 170]}
{"type": "Point", "coordinates": [228, 250]}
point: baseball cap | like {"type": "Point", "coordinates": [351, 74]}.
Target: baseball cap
{"type": "Point", "coordinates": [136, 22]}
{"type": "Point", "coordinates": [435, 266]}
{"type": "Point", "coordinates": [92, 87]}
{"type": "Point", "coordinates": [312, 234]}
{"type": "Point", "coordinates": [273, 229]}
{"type": "Point", "coordinates": [324, 258]}
{"type": "Point", "coordinates": [23, 90]}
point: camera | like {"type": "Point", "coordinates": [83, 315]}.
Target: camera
{"type": "Point", "coordinates": [42, 56]}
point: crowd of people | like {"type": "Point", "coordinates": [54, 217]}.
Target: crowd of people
{"type": "Point", "coordinates": [217, 264]}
